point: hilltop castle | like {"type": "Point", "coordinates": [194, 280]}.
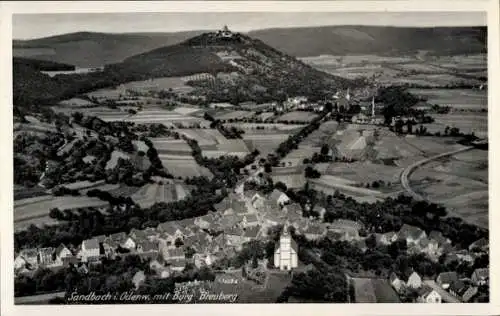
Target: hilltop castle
{"type": "Point", "coordinates": [225, 32]}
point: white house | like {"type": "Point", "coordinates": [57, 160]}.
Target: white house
{"type": "Point", "coordinates": [285, 252]}
{"type": "Point", "coordinates": [414, 281]}
{"type": "Point", "coordinates": [129, 243]}
{"type": "Point", "coordinates": [61, 253]}
{"type": "Point", "coordinates": [480, 276]}
{"type": "Point", "coordinates": [279, 198]}
{"type": "Point", "coordinates": [396, 282]}
{"type": "Point", "coordinates": [427, 295]}
{"type": "Point", "coordinates": [90, 248]}
{"type": "Point", "coordinates": [19, 263]}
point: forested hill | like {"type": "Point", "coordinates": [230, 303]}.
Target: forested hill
{"type": "Point", "coordinates": [344, 40]}
{"type": "Point", "coordinates": [257, 71]}
{"type": "Point", "coordinates": [87, 49]}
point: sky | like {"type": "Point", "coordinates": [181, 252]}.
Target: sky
{"type": "Point", "coordinates": [29, 26]}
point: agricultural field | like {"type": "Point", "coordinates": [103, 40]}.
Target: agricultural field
{"type": "Point", "coordinates": [455, 98]}
{"type": "Point", "coordinates": [76, 103]}
{"type": "Point", "coordinates": [476, 123]}
{"type": "Point", "coordinates": [163, 192]}
{"type": "Point", "coordinates": [36, 210]}
{"type": "Point", "coordinates": [204, 137]}
{"type": "Point", "coordinates": [435, 80]}
{"type": "Point", "coordinates": [262, 127]}
{"type": "Point", "coordinates": [167, 118]}
{"type": "Point", "coordinates": [264, 143]}
{"type": "Point", "coordinates": [297, 156]}
{"type": "Point", "coordinates": [362, 173]}
{"type": "Point", "coordinates": [329, 185]}
{"type": "Point", "coordinates": [231, 115]}
{"type": "Point", "coordinates": [176, 84]}
{"type": "Point", "coordinates": [183, 166]}
{"type": "Point", "coordinates": [460, 183]}
{"type": "Point", "coordinates": [322, 134]}
{"type": "Point", "coordinates": [426, 71]}
{"type": "Point", "coordinates": [292, 176]}
{"type": "Point", "coordinates": [297, 116]}
{"type": "Point", "coordinates": [230, 147]}
{"type": "Point", "coordinates": [157, 84]}
{"type": "Point", "coordinates": [265, 115]}
{"type": "Point", "coordinates": [421, 68]}
{"type": "Point", "coordinates": [213, 144]}
{"type": "Point", "coordinates": [104, 113]}
{"type": "Point", "coordinates": [171, 146]}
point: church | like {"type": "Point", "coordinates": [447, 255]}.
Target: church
{"type": "Point", "coordinates": [285, 251]}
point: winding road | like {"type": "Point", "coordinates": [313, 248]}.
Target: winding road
{"type": "Point", "coordinates": [405, 182]}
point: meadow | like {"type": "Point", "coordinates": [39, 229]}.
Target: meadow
{"type": "Point", "coordinates": [455, 98]}
{"type": "Point", "coordinates": [460, 183]}
{"type": "Point", "coordinates": [297, 116]}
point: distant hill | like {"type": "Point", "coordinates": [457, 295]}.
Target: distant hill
{"type": "Point", "coordinates": [241, 68]}
{"type": "Point", "coordinates": [87, 49]}
{"type": "Point", "coordinates": [344, 40]}
{"type": "Point", "coordinates": [252, 69]}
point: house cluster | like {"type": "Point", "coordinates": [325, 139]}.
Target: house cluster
{"type": "Point", "coordinates": [417, 240]}
{"type": "Point", "coordinates": [447, 287]}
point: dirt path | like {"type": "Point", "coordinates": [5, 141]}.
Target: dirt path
{"type": "Point", "coordinates": [411, 168]}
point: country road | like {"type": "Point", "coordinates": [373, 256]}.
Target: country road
{"type": "Point", "coordinates": [409, 170]}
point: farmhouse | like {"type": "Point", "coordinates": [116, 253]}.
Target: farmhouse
{"type": "Point", "coordinates": [314, 232]}
{"type": "Point", "coordinates": [347, 229]}
{"type": "Point", "coordinates": [414, 281]}
{"type": "Point", "coordinates": [61, 253]}
{"type": "Point", "coordinates": [428, 295]}
{"type": "Point", "coordinates": [30, 256]}
{"type": "Point", "coordinates": [388, 238]}
{"type": "Point", "coordinates": [285, 252]}
{"type": "Point", "coordinates": [480, 276]}
{"type": "Point", "coordinates": [89, 249]}
{"type": "Point", "coordinates": [411, 234]}
{"type": "Point", "coordinates": [46, 256]}
{"type": "Point", "coordinates": [445, 279]}
{"type": "Point", "coordinates": [481, 245]}
{"type": "Point", "coordinates": [457, 288]}
{"type": "Point", "coordinates": [396, 282]}
{"type": "Point", "coordinates": [278, 198]}
{"type": "Point", "coordinates": [249, 220]}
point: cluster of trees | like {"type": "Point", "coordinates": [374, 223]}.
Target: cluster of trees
{"type": "Point", "coordinates": [392, 213]}
{"type": "Point", "coordinates": [226, 169]}
{"type": "Point", "coordinates": [31, 152]}
{"type": "Point", "coordinates": [62, 190]}
{"type": "Point", "coordinates": [151, 130]}
{"type": "Point", "coordinates": [93, 223]}
{"type": "Point", "coordinates": [322, 156]}
{"type": "Point", "coordinates": [108, 197]}
{"type": "Point", "coordinates": [397, 102]}
{"type": "Point", "coordinates": [312, 173]}
{"type": "Point", "coordinates": [293, 141]}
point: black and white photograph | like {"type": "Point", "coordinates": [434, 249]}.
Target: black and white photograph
{"type": "Point", "coordinates": [250, 157]}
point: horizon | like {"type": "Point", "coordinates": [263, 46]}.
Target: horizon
{"type": "Point", "coordinates": [37, 26]}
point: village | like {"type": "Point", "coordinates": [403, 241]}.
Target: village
{"type": "Point", "coordinates": [248, 215]}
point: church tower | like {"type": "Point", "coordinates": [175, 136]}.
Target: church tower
{"type": "Point", "coordinates": [285, 253]}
